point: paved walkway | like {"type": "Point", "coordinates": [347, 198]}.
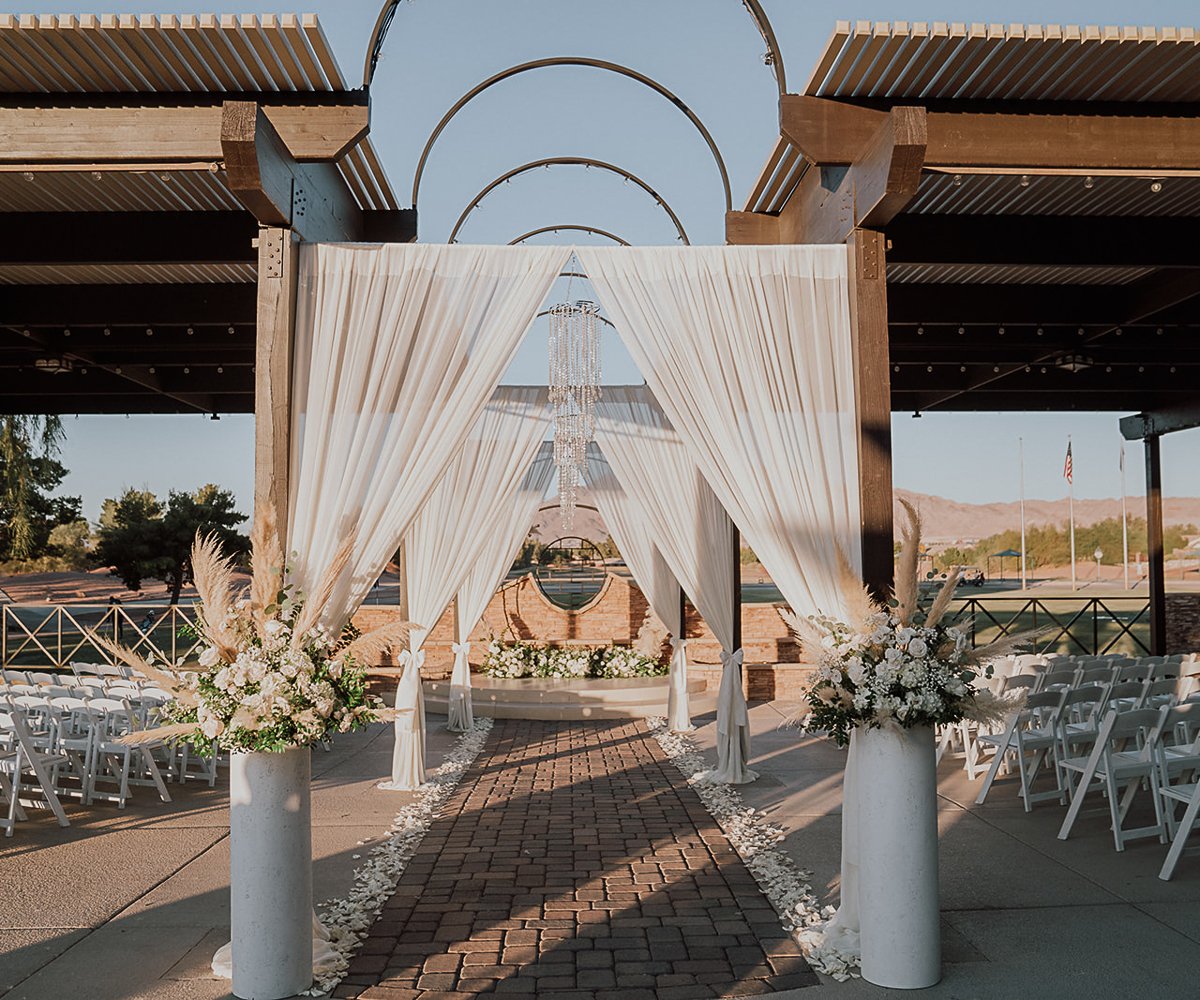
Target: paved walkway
{"type": "Point", "coordinates": [574, 861]}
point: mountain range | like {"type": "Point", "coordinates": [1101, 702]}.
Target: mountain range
{"type": "Point", "coordinates": [945, 520]}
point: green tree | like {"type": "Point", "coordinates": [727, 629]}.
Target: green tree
{"type": "Point", "coordinates": [29, 473]}
{"type": "Point", "coordinates": [141, 538]}
{"type": "Point", "coordinates": [71, 543]}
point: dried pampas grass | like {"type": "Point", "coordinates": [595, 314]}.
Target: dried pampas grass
{"type": "Point", "coordinates": [160, 734]}
{"type": "Point", "coordinates": [168, 681]}
{"type": "Point", "coordinates": [316, 602]}
{"type": "Point", "coordinates": [371, 645]}
{"type": "Point", "coordinates": [212, 572]}
{"type": "Point", "coordinates": [989, 709]}
{"type": "Point", "coordinates": [860, 605]}
{"type": "Point", "coordinates": [1006, 645]}
{"type": "Point", "coordinates": [651, 636]}
{"type": "Point", "coordinates": [941, 603]}
{"type": "Point", "coordinates": [806, 631]}
{"type": "Point", "coordinates": [907, 588]}
{"type": "Point", "coordinates": [266, 562]}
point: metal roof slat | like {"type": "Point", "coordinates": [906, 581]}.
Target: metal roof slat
{"type": "Point", "coordinates": [910, 45]}
{"type": "Point", "coordinates": [765, 174]}
{"type": "Point", "coordinates": [108, 29]}
{"type": "Point", "coordinates": [846, 59]}
{"type": "Point", "coordinates": [829, 55]}
{"type": "Point", "coordinates": [895, 39]}
{"type": "Point", "coordinates": [1009, 55]}
{"type": "Point", "coordinates": [113, 70]}
{"type": "Point", "coordinates": [173, 51]}
{"type": "Point", "coordinates": [234, 35]}
{"type": "Point", "coordinates": [303, 51]}
{"type": "Point", "coordinates": [1107, 56]}
{"type": "Point", "coordinates": [275, 37]}
{"type": "Point", "coordinates": [140, 37]}
{"type": "Point", "coordinates": [60, 35]}
{"type": "Point", "coordinates": [321, 50]}
{"type": "Point", "coordinates": [926, 42]}
{"type": "Point", "coordinates": [192, 48]}
{"type": "Point", "coordinates": [976, 51]}
{"type": "Point", "coordinates": [204, 36]}
{"type": "Point", "coordinates": [135, 49]}
{"type": "Point", "coordinates": [940, 43]}
{"type": "Point", "coordinates": [252, 29]}
{"type": "Point", "coordinates": [858, 79]}
{"type": "Point", "coordinates": [12, 60]}
{"type": "Point", "coordinates": [778, 179]}
{"type": "Point", "coordinates": [358, 176]}
{"type": "Point", "coordinates": [42, 62]}
{"type": "Point", "coordinates": [367, 148]}
{"type": "Point", "coordinates": [1046, 47]}
{"type": "Point", "coordinates": [1077, 46]}
{"type": "Point", "coordinates": [1189, 44]}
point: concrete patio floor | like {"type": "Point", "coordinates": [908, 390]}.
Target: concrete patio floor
{"type": "Point", "coordinates": [132, 903]}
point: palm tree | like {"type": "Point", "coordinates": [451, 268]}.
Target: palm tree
{"type": "Point", "coordinates": [25, 440]}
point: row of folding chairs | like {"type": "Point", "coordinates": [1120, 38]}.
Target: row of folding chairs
{"type": "Point", "coordinates": [1117, 741]}
{"type": "Point", "coordinates": [16, 676]}
{"type": "Point", "coordinates": [65, 747]}
{"type": "Point", "coordinates": [87, 690]}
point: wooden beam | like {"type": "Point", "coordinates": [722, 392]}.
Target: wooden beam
{"type": "Point", "coordinates": [1155, 560]}
{"type": "Point", "coordinates": [830, 131]}
{"type": "Point", "coordinates": [751, 229]}
{"type": "Point", "coordinates": [1078, 241]}
{"type": "Point", "coordinates": [278, 273]}
{"type": "Point", "coordinates": [1011, 399]}
{"type": "Point", "coordinates": [66, 238]}
{"type": "Point", "coordinates": [736, 569]}
{"type": "Point", "coordinates": [127, 305]}
{"type": "Point", "coordinates": [831, 201]}
{"type": "Point", "coordinates": [312, 199]}
{"type": "Point", "coordinates": [1161, 421]}
{"type": "Point", "coordinates": [872, 394]}
{"type": "Point", "coordinates": [165, 133]}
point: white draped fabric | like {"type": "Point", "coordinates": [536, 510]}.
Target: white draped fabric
{"type": "Point", "coordinates": [690, 528]}
{"type": "Point", "coordinates": [446, 537]}
{"type": "Point", "coordinates": [748, 349]}
{"type": "Point", "coordinates": [631, 531]}
{"type": "Point", "coordinates": [398, 348]}
{"type": "Point", "coordinates": [509, 526]}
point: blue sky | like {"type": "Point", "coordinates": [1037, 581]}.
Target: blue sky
{"type": "Point", "coordinates": [710, 54]}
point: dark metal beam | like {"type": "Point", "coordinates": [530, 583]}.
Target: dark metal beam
{"type": "Point", "coordinates": [1155, 560]}
{"type": "Point", "coordinates": [1162, 421]}
{"type": "Point", "coordinates": [127, 238]}
{"type": "Point", "coordinates": [127, 305]}
{"type": "Point", "coordinates": [1078, 241]}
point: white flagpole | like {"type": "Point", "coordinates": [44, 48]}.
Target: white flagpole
{"type": "Point", "coordinates": [1021, 462]}
{"type": "Point", "coordinates": [1124, 517]}
{"type": "Point", "coordinates": [1071, 514]}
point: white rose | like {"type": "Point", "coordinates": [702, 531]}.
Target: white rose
{"type": "Point", "coordinates": [209, 657]}
{"type": "Point", "coordinates": [272, 626]}
{"type": "Point", "coordinates": [212, 727]}
{"type": "Point", "coordinates": [918, 648]}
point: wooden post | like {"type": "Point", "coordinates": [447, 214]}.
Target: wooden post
{"type": "Point", "coordinates": [1154, 537]}
{"type": "Point", "coordinates": [402, 588]}
{"type": "Point", "coordinates": [278, 268]}
{"type": "Point", "coordinates": [872, 393]}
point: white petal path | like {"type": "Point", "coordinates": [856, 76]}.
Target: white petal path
{"type": "Point", "coordinates": [756, 839]}
{"type": "Point", "coordinates": [347, 920]}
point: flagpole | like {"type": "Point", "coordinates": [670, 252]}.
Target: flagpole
{"type": "Point", "coordinates": [1124, 517]}
{"type": "Point", "coordinates": [1071, 514]}
{"type": "Point", "coordinates": [1021, 462]}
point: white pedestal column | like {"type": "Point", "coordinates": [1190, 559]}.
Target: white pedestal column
{"type": "Point", "coordinates": [898, 857]}
{"type": "Point", "coordinates": [270, 873]}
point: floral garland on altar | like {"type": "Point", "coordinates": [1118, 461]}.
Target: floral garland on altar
{"type": "Point", "coordinates": [348, 919]}
{"type": "Point", "coordinates": [529, 659]}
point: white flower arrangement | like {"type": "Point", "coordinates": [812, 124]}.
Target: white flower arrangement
{"type": "Point", "coordinates": [527, 659]}
{"type": "Point", "coordinates": [898, 663]}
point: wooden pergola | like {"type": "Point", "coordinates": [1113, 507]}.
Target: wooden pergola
{"type": "Point", "coordinates": [156, 175]}
{"type": "Point", "coordinates": [1019, 203]}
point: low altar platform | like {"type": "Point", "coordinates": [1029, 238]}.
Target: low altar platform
{"type": "Point", "coordinates": [562, 699]}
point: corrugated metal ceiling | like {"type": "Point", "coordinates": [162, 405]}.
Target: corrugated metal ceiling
{"type": "Point", "coordinates": [126, 274]}
{"type": "Point", "coordinates": [1007, 194]}
{"type": "Point", "coordinates": [1012, 274]}
{"type": "Point", "coordinates": [1008, 62]}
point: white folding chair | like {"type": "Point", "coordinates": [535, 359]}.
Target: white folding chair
{"type": "Point", "coordinates": [27, 770]}
{"type": "Point", "coordinates": [1111, 765]}
{"type": "Point", "coordinates": [114, 762]}
{"type": "Point", "coordinates": [1028, 738]}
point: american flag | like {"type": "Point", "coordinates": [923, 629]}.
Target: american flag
{"type": "Point", "coordinates": [1068, 466]}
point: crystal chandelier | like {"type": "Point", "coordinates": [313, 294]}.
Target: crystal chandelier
{"type": "Point", "coordinates": [574, 348]}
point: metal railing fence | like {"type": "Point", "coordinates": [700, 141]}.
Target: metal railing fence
{"type": "Point", "coordinates": [54, 636]}
{"type": "Point", "coordinates": [1089, 626]}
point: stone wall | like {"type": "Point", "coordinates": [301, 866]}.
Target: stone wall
{"type": "Point", "coordinates": [520, 610]}
{"type": "Point", "coordinates": [1183, 623]}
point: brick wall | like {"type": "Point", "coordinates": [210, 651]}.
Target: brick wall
{"type": "Point", "coordinates": [1183, 623]}
{"type": "Point", "coordinates": [519, 609]}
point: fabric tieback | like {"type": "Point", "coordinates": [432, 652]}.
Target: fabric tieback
{"type": "Point", "coordinates": [678, 643]}
{"type": "Point", "coordinates": [461, 647]}
{"type": "Point", "coordinates": [731, 703]}
{"type": "Point", "coordinates": [732, 659]}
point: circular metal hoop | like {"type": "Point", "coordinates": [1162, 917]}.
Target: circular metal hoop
{"type": "Point", "coordinates": [574, 228]}
{"type": "Point", "coordinates": [774, 57]}
{"type": "Point", "coordinates": [567, 161]}
{"type": "Point", "coordinates": [600, 64]}
{"type": "Point", "coordinates": [602, 319]}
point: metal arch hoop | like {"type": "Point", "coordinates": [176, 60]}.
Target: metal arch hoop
{"type": "Point", "coordinates": [568, 161]}
{"type": "Point", "coordinates": [753, 8]}
{"type": "Point", "coordinates": [574, 228]}
{"type": "Point", "coordinates": [602, 319]}
{"type": "Point", "coordinates": [600, 64]}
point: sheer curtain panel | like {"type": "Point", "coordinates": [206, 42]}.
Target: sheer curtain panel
{"type": "Point", "coordinates": [690, 527]}
{"type": "Point", "coordinates": [509, 527]}
{"type": "Point", "coordinates": [448, 534]}
{"type": "Point", "coordinates": [398, 349]}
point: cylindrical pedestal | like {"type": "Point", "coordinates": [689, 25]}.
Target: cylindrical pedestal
{"type": "Point", "coordinates": [270, 873]}
{"type": "Point", "coordinates": [898, 857]}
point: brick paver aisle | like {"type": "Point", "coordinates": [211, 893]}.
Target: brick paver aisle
{"type": "Point", "coordinates": [574, 861]}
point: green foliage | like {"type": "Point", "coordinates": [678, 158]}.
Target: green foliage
{"type": "Point", "coordinates": [71, 542]}
{"type": "Point", "coordinates": [29, 473]}
{"type": "Point", "coordinates": [748, 556]}
{"type": "Point", "coordinates": [530, 659]}
{"type": "Point", "coordinates": [1050, 545]}
{"type": "Point", "coordinates": [141, 538]}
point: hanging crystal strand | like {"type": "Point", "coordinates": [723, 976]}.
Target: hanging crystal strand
{"type": "Point", "coordinates": [573, 346]}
